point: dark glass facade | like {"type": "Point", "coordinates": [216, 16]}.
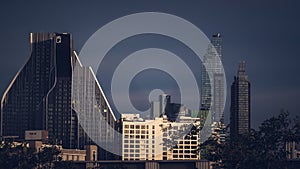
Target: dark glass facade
{"type": "Point", "coordinates": [240, 103]}
{"type": "Point", "coordinates": [39, 96]}
{"type": "Point", "coordinates": [213, 81]}
{"type": "Point", "coordinates": [213, 90]}
{"type": "Point", "coordinates": [61, 121]}
{"type": "Point", "coordinates": [49, 92]}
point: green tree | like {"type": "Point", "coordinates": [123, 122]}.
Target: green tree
{"type": "Point", "coordinates": [47, 156]}
{"type": "Point", "coordinates": [265, 148]}
{"type": "Point", "coordinates": [16, 156]}
{"type": "Point", "coordinates": [19, 156]}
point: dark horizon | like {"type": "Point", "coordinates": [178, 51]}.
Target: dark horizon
{"type": "Point", "coordinates": [263, 34]}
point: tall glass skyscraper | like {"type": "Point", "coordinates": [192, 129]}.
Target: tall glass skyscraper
{"type": "Point", "coordinates": [98, 123]}
{"type": "Point", "coordinates": [39, 96]}
{"type": "Point", "coordinates": [51, 91]}
{"type": "Point", "coordinates": [240, 103]}
{"type": "Point", "coordinates": [212, 90]}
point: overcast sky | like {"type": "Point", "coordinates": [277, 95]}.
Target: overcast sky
{"type": "Point", "coordinates": [263, 33]}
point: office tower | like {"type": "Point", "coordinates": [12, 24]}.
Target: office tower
{"type": "Point", "coordinates": [240, 103]}
{"type": "Point", "coordinates": [98, 123]}
{"type": "Point", "coordinates": [175, 110]}
{"type": "Point", "coordinates": [212, 90]}
{"type": "Point", "coordinates": [164, 107]}
{"type": "Point", "coordinates": [202, 115]}
{"type": "Point", "coordinates": [39, 96]}
{"type": "Point", "coordinates": [48, 93]}
{"type": "Point", "coordinates": [172, 110]}
{"type": "Point", "coordinates": [206, 96]}
{"type": "Point", "coordinates": [155, 109]}
{"type": "Point", "coordinates": [219, 82]}
{"type": "Point", "coordinates": [164, 100]}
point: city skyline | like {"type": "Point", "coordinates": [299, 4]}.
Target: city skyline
{"type": "Point", "coordinates": [267, 48]}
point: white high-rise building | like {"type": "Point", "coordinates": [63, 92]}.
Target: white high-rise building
{"type": "Point", "coordinates": [159, 139]}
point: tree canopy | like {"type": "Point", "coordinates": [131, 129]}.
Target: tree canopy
{"type": "Point", "coordinates": [262, 148]}
{"type": "Point", "coordinates": [16, 156]}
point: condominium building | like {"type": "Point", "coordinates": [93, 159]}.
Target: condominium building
{"type": "Point", "coordinates": [159, 139]}
{"type": "Point", "coordinates": [180, 144]}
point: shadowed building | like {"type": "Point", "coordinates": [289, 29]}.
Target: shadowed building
{"type": "Point", "coordinates": [39, 96]}
{"type": "Point", "coordinates": [240, 103]}
{"type": "Point", "coordinates": [47, 93]}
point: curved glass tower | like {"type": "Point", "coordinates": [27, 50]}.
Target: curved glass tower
{"type": "Point", "coordinates": [38, 98]}
{"type": "Point", "coordinates": [51, 91]}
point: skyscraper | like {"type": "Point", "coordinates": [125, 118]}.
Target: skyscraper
{"type": "Point", "coordinates": [218, 87]}
{"type": "Point", "coordinates": [212, 90]}
{"type": "Point", "coordinates": [39, 96]}
{"type": "Point", "coordinates": [164, 100]}
{"type": "Point", "coordinates": [51, 91]}
{"type": "Point", "coordinates": [154, 109]}
{"type": "Point", "coordinates": [97, 122]}
{"type": "Point", "coordinates": [240, 103]}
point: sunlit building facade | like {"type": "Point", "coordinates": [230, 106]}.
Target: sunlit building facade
{"type": "Point", "coordinates": [159, 139]}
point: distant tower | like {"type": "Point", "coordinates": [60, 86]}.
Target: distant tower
{"type": "Point", "coordinates": [155, 109]}
{"type": "Point", "coordinates": [240, 103]}
{"type": "Point", "coordinates": [164, 100]}
{"type": "Point", "coordinates": [217, 42]}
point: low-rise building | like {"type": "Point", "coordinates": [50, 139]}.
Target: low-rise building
{"type": "Point", "coordinates": [72, 155]}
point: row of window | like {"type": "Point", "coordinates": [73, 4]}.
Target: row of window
{"type": "Point", "coordinates": [138, 131]}
{"type": "Point", "coordinates": [137, 141]}
{"type": "Point", "coordinates": [184, 156]}
{"type": "Point", "coordinates": [138, 136]}
{"type": "Point", "coordinates": [138, 126]}
{"type": "Point", "coordinates": [138, 146]}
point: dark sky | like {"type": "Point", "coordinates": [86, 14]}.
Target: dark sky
{"type": "Point", "coordinates": [263, 33]}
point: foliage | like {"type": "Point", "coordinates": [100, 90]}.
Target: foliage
{"type": "Point", "coordinates": [184, 131]}
{"type": "Point", "coordinates": [265, 148]}
{"type": "Point", "coordinates": [17, 156]}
